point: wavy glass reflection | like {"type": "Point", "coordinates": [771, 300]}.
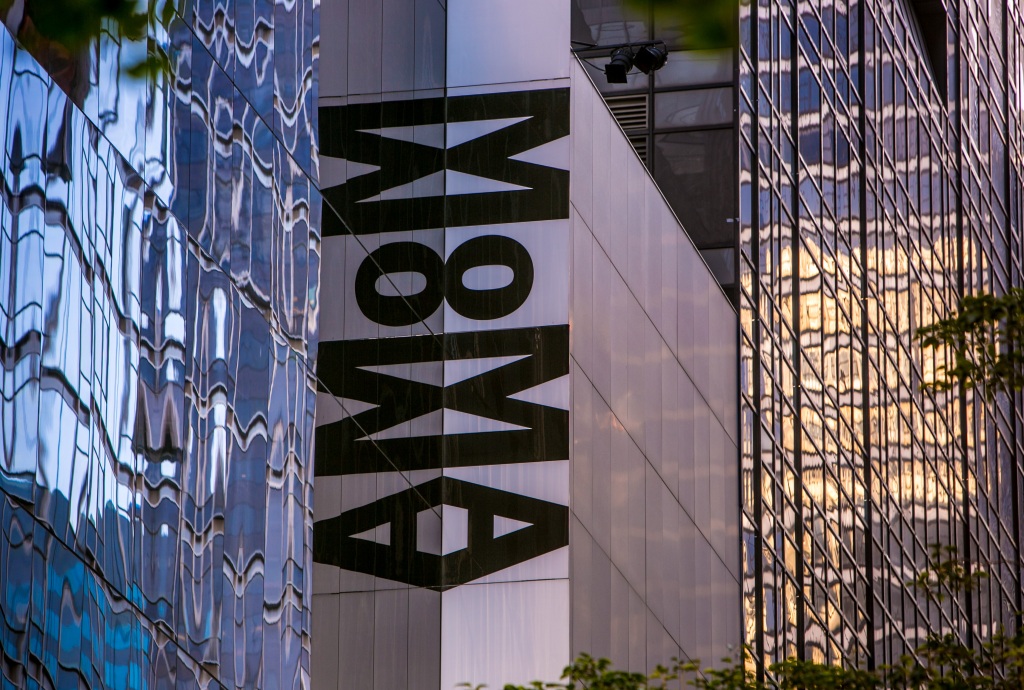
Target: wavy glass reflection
{"type": "Point", "coordinates": [159, 243]}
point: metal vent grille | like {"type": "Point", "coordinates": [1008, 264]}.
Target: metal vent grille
{"type": "Point", "coordinates": [639, 142]}
{"type": "Point", "coordinates": [630, 112]}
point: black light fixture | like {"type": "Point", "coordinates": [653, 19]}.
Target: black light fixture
{"type": "Point", "coordinates": [650, 57]}
{"type": "Point", "coordinates": [618, 68]}
{"type": "Point", "coordinates": [647, 57]}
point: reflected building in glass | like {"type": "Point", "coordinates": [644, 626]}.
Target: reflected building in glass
{"type": "Point", "coordinates": [870, 169]}
{"type": "Point", "coordinates": [159, 265]}
{"type": "Point", "coordinates": [879, 176]}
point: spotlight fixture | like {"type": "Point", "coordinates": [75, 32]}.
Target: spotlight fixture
{"type": "Point", "coordinates": [618, 68]}
{"type": "Point", "coordinates": [650, 57]}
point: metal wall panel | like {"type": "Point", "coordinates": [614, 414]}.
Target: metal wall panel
{"type": "Point", "coordinates": [443, 430]}
{"type": "Point", "coordinates": [655, 466]}
{"type": "Point", "coordinates": [457, 236]}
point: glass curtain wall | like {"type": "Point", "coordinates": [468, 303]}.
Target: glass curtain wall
{"type": "Point", "coordinates": [874, 192]}
{"type": "Point", "coordinates": [158, 326]}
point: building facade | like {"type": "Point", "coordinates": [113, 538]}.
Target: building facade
{"type": "Point", "coordinates": [159, 243]}
{"type": "Point", "coordinates": [877, 170]}
{"type": "Point", "coordinates": [679, 119]}
{"type": "Point", "coordinates": [530, 436]}
{"type": "Point", "coordinates": [879, 159]}
{"type": "Point", "coordinates": [526, 423]}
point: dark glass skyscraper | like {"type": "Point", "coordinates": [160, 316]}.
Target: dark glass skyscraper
{"type": "Point", "coordinates": [877, 167]}
{"type": "Point", "coordinates": [879, 159]}
{"type": "Point", "coordinates": [158, 323]}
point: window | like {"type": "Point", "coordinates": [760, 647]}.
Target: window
{"type": "Point", "coordinates": [696, 173]}
{"type": "Point", "coordinates": [693, 108]}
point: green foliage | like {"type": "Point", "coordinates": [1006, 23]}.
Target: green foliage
{"type": "Point", "coordinates": [1005, 661]}
{"type": "Point", "coordinates": [736, 675]}
{"type": "Point", "coordinates": [71, 26]}
{"type": "Point", "coordinates": [598, 674]}
{"type": "Point", "coordinates": [984, 338]}
{"type": "Point", "coordinates": [946, 575]}
{"type": "Point", "coordinates": [75, 23]}
{"type": "Point", "coordinates": [942, 662]}
{"type": "Point", "coordinates": [706, 24]}
{"type": "Point", "coordinates": [593, 673]}
{"type": "Point", "coordinates": [796, 674]}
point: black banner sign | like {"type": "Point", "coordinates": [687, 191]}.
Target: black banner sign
{"type": "Point", "coordinates": [398, 554]}
{"type": "Point", "coordinates": [486, 176]}
{"type": "Point", "coordinates": [423, 140]}
{"type": "Point", "coordinates": [343, 447]}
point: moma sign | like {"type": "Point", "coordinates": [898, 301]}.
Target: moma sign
{"type": "Point", "coordinates": [443, 420]}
